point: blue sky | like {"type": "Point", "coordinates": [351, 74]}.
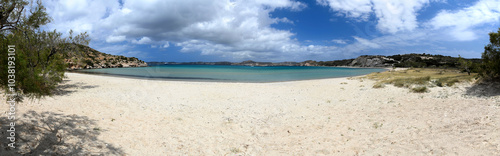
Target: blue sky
{"type": "Point", "coordinates": [278, 30]}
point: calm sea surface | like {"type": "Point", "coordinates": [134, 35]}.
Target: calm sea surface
{"type": "Point", "coordinates": [234, 73]}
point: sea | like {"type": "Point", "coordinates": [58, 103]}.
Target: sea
{"type": "Point", "coordinates": [226, 73]}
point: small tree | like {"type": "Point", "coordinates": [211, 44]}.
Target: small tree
{"type": "Point", "coordinates": [465, 65]}
{"type": "Point", "coordinates": [490, 67]}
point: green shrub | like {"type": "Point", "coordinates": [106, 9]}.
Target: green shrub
{"type": "Point", "coordinates": [88, 62]}
{"type": "Point", "coordinates": [439, 83]}
{"type": "Point", "coordinates": [446, 81]}
{"type": "Point", "coordinates": [405, 82]}
{"type": "Point", "coordinates": [420, 89]}
{"type": "Point", "coordinates": [399, 83]}
{"type": "Point", "coordinates": [451, 82]}
{"type": "Point", "coordinates": [490, 67]}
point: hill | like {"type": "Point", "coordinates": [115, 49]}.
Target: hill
{"type": "Point", "coordinates": [84, 57]}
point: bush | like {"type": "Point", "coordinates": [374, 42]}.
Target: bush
{"type": "Point", "coordinates": [399, 84]}
{"type": "Point", "coordinates": [490, 67]}
{"type": "Point", "coordinates": [439, 83]}
{"type": "Point", "coordinates": [420, 89]}
{"type": "Point", "coordinates": [404, 82]}
{"type": "Point", "coordinates": [446, 81]}
{"type": "Point", "coordinates": [88, 62]}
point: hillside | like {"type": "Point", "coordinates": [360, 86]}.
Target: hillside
{"type": "Point", "coordinates": [84, 57]}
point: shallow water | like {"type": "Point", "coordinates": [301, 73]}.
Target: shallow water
{"type": "Point", "coordinates": [235, 73]}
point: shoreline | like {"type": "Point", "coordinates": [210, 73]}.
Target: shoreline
{"type": "Point", "coordinates": [211, 80]}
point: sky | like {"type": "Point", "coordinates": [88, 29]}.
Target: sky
{"type": "Point", "coordinates": [278, 30]}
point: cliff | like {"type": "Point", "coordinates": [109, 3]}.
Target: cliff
{"type": "Point", "coordinates": [84, 57]}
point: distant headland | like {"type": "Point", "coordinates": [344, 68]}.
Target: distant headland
{"type": "Point", "coordinates": [404, 60]}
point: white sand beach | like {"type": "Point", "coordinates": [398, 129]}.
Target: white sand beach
{"type": "Point", "coordinates": [337, 116]}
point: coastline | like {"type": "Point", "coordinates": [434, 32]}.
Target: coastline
{"type": "Point", "coordinates": [335, 116]}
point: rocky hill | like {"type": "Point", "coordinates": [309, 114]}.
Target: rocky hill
{"type": "Point", "coordinates": [84, 57]}
{"type": "Point", "coordinates": [405, 60]}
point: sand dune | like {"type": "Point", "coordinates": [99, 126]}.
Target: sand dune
{"type": "Point", "coordinates": [339, 116]}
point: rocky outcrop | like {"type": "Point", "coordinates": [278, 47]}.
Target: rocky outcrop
{"type": "Point", "coordinates": [84, 57]}
{"type": "Point", "coordinates": [372, 61]}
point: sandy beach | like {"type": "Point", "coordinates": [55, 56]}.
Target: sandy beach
{"type": "Point", "coordinates": [93, 114]}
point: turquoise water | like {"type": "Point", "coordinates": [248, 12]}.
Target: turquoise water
{"type": "Point", "coordinates": [234, 73]}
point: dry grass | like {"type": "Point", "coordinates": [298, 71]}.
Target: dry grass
{"type": "Point", "coordinates": [421, 77]}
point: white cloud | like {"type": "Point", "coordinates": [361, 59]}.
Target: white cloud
{"type": "Point", "coordinates": [143, 40]}
{"type": "Point", "coordinates": [238, 28]}
{"type": "Point", "coordinates": [166, 45]}
{"type": "Point", "coordinates": [80, 15]}
{"type": "Point", "coordinates": [460, 24]}
{"type": "Point", "coordinates": [393, 15]}
{"type": "Point", "coordinates": [112, 39]}
{"type": "Point", "coordinates": [351, 8]}
{"type": "Point", "coordinates": [339, 41]}
{"type": "Point", "coordinates": [366, 42]}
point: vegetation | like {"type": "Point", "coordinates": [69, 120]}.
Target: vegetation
{"type": "Point", "coordinates": [417, 79]}
{"type": "Point", "coordinates": [88, 62]}
{"type": "Point", "coordinates": [465, 65]}
{"type": "Point", "coordinates": [39, 62]}
{"type": "Point", "coordinates": [379, 85]}
{"type": "Point", "coordinates": [419, 89]}
{"type": "Point", "coordinates": [490, 66]}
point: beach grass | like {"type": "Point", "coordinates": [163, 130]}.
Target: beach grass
{"type": "Point", "coordinates": [418, 79]}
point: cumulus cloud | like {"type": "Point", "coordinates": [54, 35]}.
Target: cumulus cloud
{"type": "Point", "coordinates": [460, 23]}
{"type": "Point", "coordinates": [393, 15]}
